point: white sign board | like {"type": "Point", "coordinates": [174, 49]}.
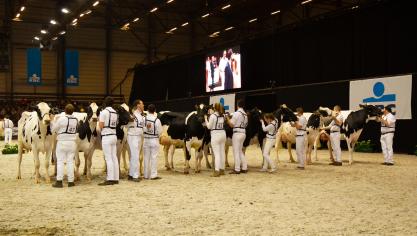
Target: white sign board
{"type": "Point", "coordinates": [394, 92]}
{"type": "Point", "coordinates": [227, 100]}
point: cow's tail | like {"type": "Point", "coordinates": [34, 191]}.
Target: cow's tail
{"type": "Point", "coordinates": [187, 153]}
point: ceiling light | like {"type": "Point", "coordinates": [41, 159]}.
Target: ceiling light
{"type": "Point", "coordinates": [81, 15]}
{"type": "Point", "coordinates": [229, 28]}
{"type": "Point", "coordinates": [54, 38]}
{"type": "Point", "coordinates": [253, 20]}
{"type": "Point", "coordinates": [96, 3]}
{"type": "Point", "coordinates": [62, 32]}
{"type": "Point", "coordinates": [125, 26]}
{"type": "Point", "coordinates": [17, 15]}
{"type": "Point", "coordinates": [22, 8]}
{"type": "Point", "coordinates": [74, 23]}
{"type": "Point", "coordinates": [154, 9]}
{"type": "Point", "coordinates": [225, 7]}
{"type": "Point", "coordinates": [169, 1]}
{"type": "Point", "coordinates": [204, 16]}
{"type": "Point", "coordinates": [173, 29]}
{"type": "Point", "coordinates": [36, 38]}
{"type": "Point", "coordinates": [17, 19]}
{"type": "Point", "coordinates": [185, 24]}
{"type": "Point", "coordinates": [305, 2]}
{"type": "Point", "coordinates": [75, 20]}
{"type": "Point", "coordinates": [355, 7]}
{"type": "Point", "coordinates": [44, 31]}
{"type": "Point", "coordinates": [275, 12]}
{"type": "Point", "coordinates": [136, 19]}
{"type": "Point", "coordinates": [65, 10]}
{"type": "Point", "coordinates": [53, 22]}
{"type": "Point", "coordinates": [87, 12]}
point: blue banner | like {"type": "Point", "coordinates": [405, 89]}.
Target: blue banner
{"type": "Point", "coordinates": [72, 77]}
{"type": "Point", "coordinates": [34, 66]}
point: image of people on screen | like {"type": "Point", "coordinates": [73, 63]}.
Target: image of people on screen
{"type": "Point", "coordinates": [223, 71]}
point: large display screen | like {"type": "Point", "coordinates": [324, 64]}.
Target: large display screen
{"type": "Point", "coordinates": [223, 70]}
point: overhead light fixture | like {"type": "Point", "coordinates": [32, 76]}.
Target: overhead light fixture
{"type": "Point", "coordinates": [204, 16]}
{"type": "Point", "coordinates": [17, 15]}
{"type": "Point", "coordinates": [125, 26]}
{"type": "Point", "coordinates": [16, 19]}
{"type": "Point", "coordinates": [65, 10]}
{"type": "Point", "coordinates": [53, 22]}
{"type": "Point", "coordinates": [169, 1]}
{"type": "Point", "coordinates": [74, 23]}
{"type": "Point", "coordinates": [305, 2]}
{"type": "Point", "coordinates": [136, 19]}
{"type": "Point", "coordinates": [185, 24]}
{"type": "Point", "coordinates": [253, 20]}
{"type": "Point", "coordinates": [36, 38]}
{"type": "Point", "coordinates": [173, 29]}
{"type": "Point", "coordinates": [154, 9]}
{"type": "Point", "coordinates": [75, 20]}
{"type": "Point", "coordinates": [22, 8]}
{"type": "Point", "coordinates": [225, 7]}
{"type": "Point", "coordinates": [81, 15]}
{"type": "Point", "coordinates": [54, 38]}
{"type": "Point", "coordinates": [355, 7]}
{"type": "Point", "coordinates": [215, 34]}
{"type": "Point", "coordinates": [229, 28]}
{"type": "Point", "coordinates": [87, 12]}
{"type": "Point", "coordinates": [169, 32]}
{"type": "Point", "coordinates": [44, 31]}
{"type": "Point", "coordinates": [275, 12]}
{"type": "Point", "coordinates": [62, 32]}
{"type": "Point", "coordinates": [96, 3]}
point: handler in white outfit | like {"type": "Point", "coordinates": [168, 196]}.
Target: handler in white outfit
{"type": "Point", "coordinates": [152, 131]}
{"type": "Point", "coordinates": [8, 130]}
{"type": "Point", "coordinates": [387, 135]}
{"type": "Point", "coordinates": [134, 139]}
{"type": "Point", "coordinates": [334, 126]}
{"type": "Point", "coordinates": [300, 139]}
{"type": "Point", "coordinates": [239, 122]}
{"type": "Point", "coordinates": [218, 138]}
{"type": "Point", "coordinates": [107, 123]}
{"type": "Point", "coordinates": [66, 129]}
{"type": "Point", "coordinates": [271, 131]}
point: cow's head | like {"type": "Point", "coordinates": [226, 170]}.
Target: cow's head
{"type": "Point", "coordinates": [371, 110]}
{"type": "Point", "coordinates": [202, 110]}
{"type": "Point", "coordinates": [93, 112]}
{"type": "Point", "coordinates": [123, 112]}
{"type": "Point", "coordinates": [285, 114]}
{"type": "Point", "coordinates": [43, 111]}
{"type": "Point", "coordinates": [325, 111]}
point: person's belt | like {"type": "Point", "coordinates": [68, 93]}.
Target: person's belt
{"type": "Point", "coordinates": [149, 137]}
{"type": "Point", "coordinates": [301, 135]}
{"type": "Point", "coordinates": [107, 135]}
{"type": "Point", "coordinates": [387, 132]}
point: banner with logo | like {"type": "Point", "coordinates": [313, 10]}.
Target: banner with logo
{"type": "Point", "coordinates": [34, 66]}
{"type": "Point", "coordinates": [394, 92]}
{"type": "Point", "coordinates": [71, 68]}
{"type": "Point", "coordinates": [227, 100]}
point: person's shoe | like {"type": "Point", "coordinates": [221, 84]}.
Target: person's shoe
{"type": "Point", "coordinates": [234, 172]}
{"type": "Point", "coordinates": [155, 178]}
{"type": "Point", "coordinates": [221, 172]}
{"type": "Point", "coordinates": [115, 181]}
{"type": "Point", "coordinates": [129, 177]}
{"type": "Point", "coordinates": [389, 164]}
{"type": "Point", "coordinates": [243, 171]}
{"type": "Point", "coordinates": [384, 163]}
{"type": "Point", "coordinates": [57, 184]}
{"type": "Point", "coordinates": [300, 167]}
{"type": "Point", "coordinates": [336, 163]}
{"type": "Point", "coordinates": [272, 170]}
{"type": "Point", "coordinates": [263, 170]}
{"type": "Point", "coordinates": [107, 182]}
{"type": "Point", "coordinates": [71, 184]}
{"type": "Point", "coordinates": [134, 179]}
{"type": "Point", "coordinates": [215, 174]}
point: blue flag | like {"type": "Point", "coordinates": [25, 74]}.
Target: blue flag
{"type": "Point", "coordinates": [34, 66]}
{"type": "Point", "coordinates": [71, 68]}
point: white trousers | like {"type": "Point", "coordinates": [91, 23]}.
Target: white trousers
{"type": "Point", "coordinates": [135, 145]}
{"type": "Point", "coordinates": [65, 152]}
{"type": "Point", "coordinates": [237, 144]}
{"type": "Point", "coordinates": [269, 144]}
{"type": "Point", "coordinates": [109, 144]}
{"type": "Point", "coordinates": [150, 154]}
{"type": "Point", "coordinates": [300, 148]}
{"type": "Point", "coordinates": [335, 142]}
{"type": "Point", "coordinates": [386, 145]}
{"type": "Point", "coordinates": [8, 133]}
{"type": "Point", "coordinates": [218, 143]}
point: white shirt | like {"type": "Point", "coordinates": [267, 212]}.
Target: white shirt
{"type": "Point", "coordinates": [333, 126]}
{"type": "Point", "coordinates": [110, 118]}
{"type": "Point", "coordinates": [65, 127]}
{"type": "Point", "coordinates": [8, 124]}
{"type": "Point", "coordinates": [303, 122]}
{"type": "Point", "coordinates": [216, 123]}
{"type": "Point", "coordinates": [271, 129]}
{"type": "Point", "coordinates": [135, 128]}
{"type": "Point", "coordinates": [239, 121]}
{"type": "Point", "coordinates": [152, 127]}
{"type": "Point", "coordinates": [391, 123]}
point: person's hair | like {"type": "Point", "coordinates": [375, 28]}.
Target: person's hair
{"type": "Point", "coordinates": [136, 102]}
{"type": "Point", "coordinates": [151, 108]}
{"type": "Point", "coordinates": [299, 110]}
{"type": "Point", "coordinates": [219, 108]}
{"type": "Point", "coordinates": [337, 107]}
{"type": "Point", "coordinates": [269, 116]}
{"type": "Point", "coordinates": [388, 109]}
{"type": "Point", "coordinates": [108, 101]}
{"type": "Point", "coordinates": [69, 109]}
{"type": "Point", "coordinates": [241, 103]}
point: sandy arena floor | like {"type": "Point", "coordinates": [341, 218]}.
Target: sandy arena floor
{"type": "Point", "coordinates": [365, 198]}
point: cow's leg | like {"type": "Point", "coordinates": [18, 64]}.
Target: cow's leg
{"type": "Point", "coordinates": [350, 145]}
{"type": "Point", "coordinates": [196, 155]}
{"type": "Point", "coordinates": [199, 157]}
{"type": "Point", "coordinates": [171, 152]}
{"type": "Point", "coordinates": [205, 151]}
{"type": "Point", "coordinates": [37, 163]}
{"type": "Point", "coordinates": [316, 141]}
{"type": "Point", "coordinates": [226, 151]}
{"type": "Point", "coordinates": [89, 157]}
{"type": "Point", "coordinates": [277, 145]}
{"type": "Point", "coordinates": [125, 166]}
{"type": "Point", "coordinates": [309, 150]}
{"type": "Point", "coordinates": [47, 158]}
{"type": "Point", "coordinates": [77, 166]}
{"type": "Point", "coordinates": [329, 146]}
{"type": "Point", "coordinates": [85, 163]}
{"type": "Point", "coordinates": [19, 160]}
{"type": "Point", "coordinates": [166, 150]}
{"type": "Point", "coordinates": [290, 152]}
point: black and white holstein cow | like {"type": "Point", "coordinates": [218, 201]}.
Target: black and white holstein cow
{"type": "Point", "coordinates": [286, 133]}
{"type": "Point", "coordinates": [354, 122]}
{"type": "Point", "coordinates": [315, 121]}
{"type": "Point", "coordinates": [34, 134]}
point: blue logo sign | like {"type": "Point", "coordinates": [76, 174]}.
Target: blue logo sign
{"type": "Point", "coordinates": [379, 89]}
{"type": "Point", "coordinates": [222, 102]}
